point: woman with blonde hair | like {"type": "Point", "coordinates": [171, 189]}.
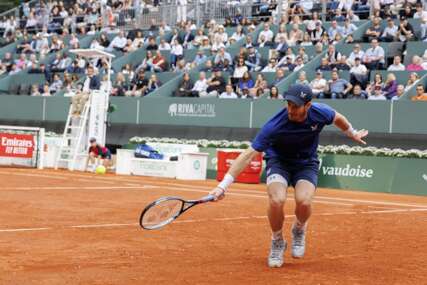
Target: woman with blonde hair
{"type": "Point", "coordinates": [390, 86]}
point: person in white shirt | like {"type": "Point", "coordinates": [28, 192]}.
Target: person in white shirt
{"type": "Point", "coordinates": [221, 34]}
{"type": "Point", "coordinates": [228, 93]}
{"type": "Point", "coordinates": [298, 64]}
{"type": "Point", "coordinates": [348, 28]}
{"type": "Point", "coordinates": [356, 53]}
{"type": "Point", "coordinates": [377, 95]}
{"type": "Point", "coordinates": [240, 69]}
{"type": "Point", "coordinates": [319, 85]}
{"type": "Point", "coordinates": [353, 17]}
{"type": "Point", "coordinates": [374, 57]}
{"type": "Point", "coordinates": [421, 13]}
{"type": "Point", "coordinates": [271, 66]}
{"type": "Point", "coordinates": [390, 31]}
{"type": "Point", "coordinates": [201, 85]}
{"type": "Point", "coordinates": [164, 45]}
{"type": "Point", "coordinates": [359, 68]}
{"type": "Point", "coordinates": [399, 92]}
{"type": "Point", "coordinates": [177, 52]}
{"type": "Point", "coordinates": [267, 33]}
{"type": "Point", "coordinates": [397, 64]}
{"type": "Point", "coordinates": [345, 4]}
{"type": "Point", "coordinates": [359, 74]}
{"type": "Point", "coordinates": [181, 6]}
{"type": "Point", "coordinates": [118, 43]}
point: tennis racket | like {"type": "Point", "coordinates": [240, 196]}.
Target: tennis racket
{"type": "Point", "coordinates": [165, 210]}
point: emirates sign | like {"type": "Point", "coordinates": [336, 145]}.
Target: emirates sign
{"type": "Point", "coordinates": [16, 145]}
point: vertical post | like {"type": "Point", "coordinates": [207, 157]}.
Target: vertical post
{"type": "Point", "coordinates": [279, 11]}
{"type": "Point", "coordinates": [324, 10]}
{"type": "Point", "coordinates": [197, 13]}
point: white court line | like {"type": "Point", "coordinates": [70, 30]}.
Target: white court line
{"type": "Point", "coordinates": [114, 225]}
{"type": "Point", "coordinates": [159, 183]}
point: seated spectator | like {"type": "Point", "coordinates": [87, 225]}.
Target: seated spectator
{"type": "Point", "coordinates": [239, 70]}
{"type": "Point", "coordinates": [280, 75]}
{"type": "Point", "coordinates": [338, 16]}
{"type": "Point", "coordinates": [376, 84]}
{"type": "Point", "coordinates": [164, 45]}
{"type": "Point", "coordinates": [374, 56]}
{"type": "Point", "coordinates": [338, 87]}
{"type": "Point", "coordinates": [158, 64]}
{"type": "Point", "coordinates": [348, 28]}
{"type": "Point", "coordinates": [319, 85]}
{"type": "Point", "coordinates": [128, 47]}
{"type": "Point", "coordinates": [420, 94]}
{"type": "Point", "coordinates": [374, 31]}
{"type": "Point", "coordinates": [119, 86]}
{"type": "Point", "coordinates": [302, 54]}
{"type": "Point", "coordinates": [128, 71]}
{"type": "Point", "coordinates": [152, 44]}
{"type": "Point", "coordinates": [200, 86]}
{"type": "Point", "coordinates": [118, 43]}
{"type": "Point", "coordinates": [253, 60]}
{"type": "Point", "coordinates": [138, 85]}
{"type": "Point", "coordinates": [282, 35]}
{"type": "Point", "coordinates": [288, 65]}
{"type": "Point", "coordinates": [45, 90]}
{"type": "Point", "coordinates": [245, 82]}
{"type": "Point", "coordinates": [399, 92]}
{"type": "Point", "coordinates": [208, 66]}
{"type": "Point", "coordinates": [200, 58]}
{"type": "Point", "coordinates": [266, 35]}
{"type": "Point", "coordinates": [147, 62]}
{"type": "Point", "coordinates": [310, 24]}
{"type": "Point", "coordinates": [295, 35]}
{"type": "Point", "coordinates": [248, 42]}
{"type": "Point", "coordinates": [377, 94]}
{"type": "Point", "coordinates": [397, 64]}
{"type": "Point", "coordinates": [274, 93]}
{"type": "Point", "coordinates": [271, 66]}
{"type": "Point", "coordinates": [406, 31]}
{"type": "Point", "coordinates": [21, 62]}
{"type": "Point", "coordinates": [415, 64]}
{"type": "Point", "coordinates": [302, 78]}
{"type": "Point", "coordinates": [221, 56]}
{"type": "Point", "coordinates": [217, 45]}
{"type": "Point", "coordinates": [35, 90]}
{"type": "Point", "coordinates": [412, 80]}
{"type": "Point", "coordinates": [153, 83]}
{"type": "Point", "coordinates": [390, 86]}
{"type": "Point", "coordinates": [342, 63]}
{"type": "Point", "coordinates": [358, 93]}
{"type": "Point", "coordinates": [316, 34]}
{"type": "Point", "coordinates": [359, 74]}
{"type": "Point", "coordinates": [298, 64]}
{"type": "Point", "coordinates": [228, 93]}
{"type": "Point", "coordinates": [333, 56]}
{"type": "Point", "coordinates": [104, 41]}
{"type": "Point", "coordinates": [177, 52]}
{"type": "Point", "coordinates": [334, 29]}
{"type": "Point", "coordinates": [356, 53]}
{"type": "Point", "coordinates": [390, 32]}
{"type": "Point", "coordinates": [216, 84]}
{"type": "Point", "coordinates": [14, 69]}
{"type": "Point", "coordinates": [227, 67]}
{"type": "Point", "coordinates": [221, 34]}
{"type": "Point", "coordinates": [187, 38]}
{"type": "Point", "coordinates": [138, 41]}
{"type": "Point", "coordinates": [56, 84]}
{"type": "Point", "coordinates": [324, 65]}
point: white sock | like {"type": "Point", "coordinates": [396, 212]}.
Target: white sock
{"type": "Point", "coordinates": [277, 235]}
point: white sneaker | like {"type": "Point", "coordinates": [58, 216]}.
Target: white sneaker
{"type": "Point", "coordinates": [275, 258]}
{"type": "Point", "coordinates": [298, 241]}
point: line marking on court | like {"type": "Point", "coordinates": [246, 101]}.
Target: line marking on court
{"type": "Point", "coordinates": [115, 225]}
{"type": "Point", "coordinates": [66, 176]}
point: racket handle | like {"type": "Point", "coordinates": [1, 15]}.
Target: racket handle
{"type": "Point", "coordinates": [207, 198]}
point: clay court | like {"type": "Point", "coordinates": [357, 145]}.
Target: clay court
{"type": "Point", "coordinates": [60, 227]}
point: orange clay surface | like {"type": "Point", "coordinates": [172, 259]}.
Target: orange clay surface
{"type": "Point", "coordinates": [60, 227]}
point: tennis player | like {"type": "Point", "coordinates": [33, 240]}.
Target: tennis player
{"type": "Point", "coordinates": [289, 141]}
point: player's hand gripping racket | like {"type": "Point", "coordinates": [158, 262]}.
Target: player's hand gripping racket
{"type": "Point", "coordinates": [165, 210]}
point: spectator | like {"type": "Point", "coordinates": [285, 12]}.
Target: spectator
{"type": "Point", "coordinates": [274, 93]}
{"type": "Point", "coordinates": [298, 64]}
{"type": "Point", "coordinates": [420, 13]}
{"type": "Point", "coordinates": [374, 56]}
{"type": "Point", "coordinates": [359, 74]}
{"type": "Point", "coordinates": [138, 41]}
{"type": "Point", "coordinates": [177, 52]}
{"type": "Point", "coordinates": [216, 84]}
{"type": "Point", "coordinates": [412, 80]}
{"type": "Point", "coordinates": [306, 40]}
{"type": "Point", "coordinates": [158, 63]}
{"type": "Point", "coordinates": [288, 65]}
{"type": "Point", "coordinates": [221, 35]}
{"type": "Point", "coordinates": [348, 28]}
{"type": "Point", "coordinates": [266, 33]}
{"type": "Point", "coordinates": [420, 95]}
{"type": "Point", "coordinates": [303, 55]}
{"type": "Point", "coordinates": [152, 44]}
{"type": "Point", "coordinates": [280, 75]}
{"type": "Point", "coordinates": [390, 86]}
{"type": "Point", "coordinates": [56, 84]}
{"type": "Point", "coordinates": [390, 32]}
{"type": "Point", "coordinates": [302, 78]}
{"type": "Point", "coordinates": [316, 34]}
{"type": "Point", "coordinates": [164, 45]}
{"type": "Point", "coordinates": [208, 66]}
{"type": "Point", "coordinates": [91, 82]}
{"type": "Point", "coordinates": [374, 31]}
{"type": "Point", "coordinates": [342, 63]}
{"type": "Point", "coordinates": [397, 64]}
{"type": "Point", "coordinates": [399, 92]}
{"type": "Point", "coordinates": [333, 56]}
{"type": "Point", "coordinates": [295, 35]}
{"type": "Point", "coordinates": [147, 62]}
{"type": "Point", "coordinates": [129, 46]}
{"type": "Point", "coordinates": [324, 65]}
{"type": "Point", "coordinates": [138, 85]}
{"type": "Point", "coordinates": [119, 87]}
{"type": "Point", "coordinates": [281, 35]}
{"type": "Point", "coordinates": [358, 93]}
{"type": "Point", "coordinates": [406, 31]}
{"type": "Point", "coordinates": [35, 90]}
{"type": "Point", "coordinates": [240, 69]}
{"type": "Point", "coordinates": [271, 66]}
{"type": "Point", "coordinates": [46, 92]}
{"type": "Point", "coordinates": [377, 95]}
{"type": "Point", "coordinates": [118, 43]}
{"type": "Point", "coordinates": [187, 38]}
{"type": "Point", "coordinates": [153, 83]}
{"type": "Point", "coordinates": [200, 87]}
{"type": "Point", "coordinates": [334, 29]}
{"type": "Point", "coordinates": [245, 82]}
{"type": "Point", "coordinates": [103, 40]}
{"type": "Point", "coordinates": [221, 56]}
{"type": "Point", "coordinates": [228, 93]}
{"type": "Point", "coordinates": [415, 64]}
{"type": "Point", "coordinates": [338, 87]}
{"type": "Point", "coordinates": [253, 60]}
{"type": "Point", "coordinates": [319, 85]}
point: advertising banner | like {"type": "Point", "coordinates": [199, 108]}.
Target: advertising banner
{"type": "Point", "coordinates": [16, 145]}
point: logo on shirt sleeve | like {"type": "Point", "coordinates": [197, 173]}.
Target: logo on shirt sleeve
{"type": "Point", "coordinates": [314, 127]}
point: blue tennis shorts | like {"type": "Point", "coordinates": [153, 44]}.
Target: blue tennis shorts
{"type": "Point", "coordinates": [292, 170]}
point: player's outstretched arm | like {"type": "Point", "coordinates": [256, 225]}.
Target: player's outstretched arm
{"type": "Point", "coordinates": [344, 125]}
{"type": "Point", "coordinates": [236, 168]}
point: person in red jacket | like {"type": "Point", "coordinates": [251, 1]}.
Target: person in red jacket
{"type": "Point", "coordinates": [98, 155]}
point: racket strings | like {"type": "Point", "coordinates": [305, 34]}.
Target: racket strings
{"type": "Point", "coordinates": [161, 213]}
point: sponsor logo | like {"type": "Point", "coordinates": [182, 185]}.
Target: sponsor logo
{"type": "Point", "coordinates": [196, 164]}
{"type": "Point", "coordinates": [16, 145]}
{"type": "Point", "coordinates": [346, 171]}
{"type": "Point", "coordinates": [200, 110]}
{"type": "Point", "coordinates": [314, 127]}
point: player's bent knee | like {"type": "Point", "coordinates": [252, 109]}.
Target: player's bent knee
{"type": "Point", "coordinates": [277, 194]}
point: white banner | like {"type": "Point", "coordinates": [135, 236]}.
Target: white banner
{"type": "Point", "coordinates": [98, 116]}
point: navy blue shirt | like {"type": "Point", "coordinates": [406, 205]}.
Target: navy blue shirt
{"type": "Point", "coordinates": [286, 140]}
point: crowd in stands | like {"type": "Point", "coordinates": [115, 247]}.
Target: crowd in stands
{"type": "Point", "coordinates": [46, 32]}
